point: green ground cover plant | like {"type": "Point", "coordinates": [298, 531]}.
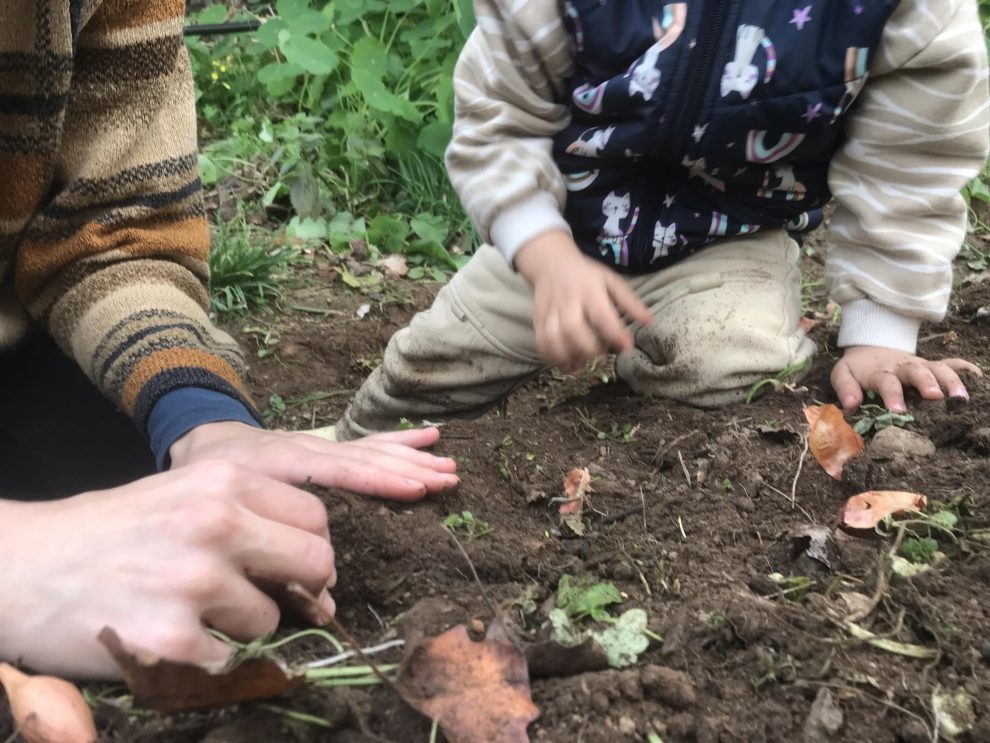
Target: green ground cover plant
{"type": "Point", "coordinates": [332, 119]}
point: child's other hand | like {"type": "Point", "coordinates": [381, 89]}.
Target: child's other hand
{"type": "Point", "coordinates": [886, 371]}
{"type": "Point", "coordinates": [578, 303]}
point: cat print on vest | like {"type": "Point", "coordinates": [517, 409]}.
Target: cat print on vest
{"type": "Point", "coordinates": [613, 238]}
{"type": "Point", "coordinates": [644, 75]}
{"type": "Point", "coordinates": [594, 144]}
{"type": "Point", "coordinates": [664, 238]}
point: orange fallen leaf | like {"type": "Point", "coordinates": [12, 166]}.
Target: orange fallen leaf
{"type": "Point", "coordinates": [477, 691]}
{"type": "Point", "coordinates": [167, 686]}
{"type": "Point", "coordinates": [575, 486]}
{"type": "Point", "coordinates": [833, 442]}
{"type": "Point", "coordinates": [47, 709]}
{"type": "Point", "coordinates": [866, 510]}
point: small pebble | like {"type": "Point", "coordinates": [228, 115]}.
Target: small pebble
{"type": "Point", "coordinates": [627, 726]}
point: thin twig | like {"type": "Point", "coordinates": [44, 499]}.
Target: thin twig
{"type": "Point", "coordinates": [804, 453]}
{"type": "Point", "coordinates": [642, 498]}
{"type": "Point", "coordinates": [687, 475]}
{"type": "Point", "coordinates": [299, 591]}
{"type": "Point", "coordinates": [882, 574]}
{"type": "Point", "coordinates": [481, 586]}
{"type": "Point", "coordinates": [783, 495]}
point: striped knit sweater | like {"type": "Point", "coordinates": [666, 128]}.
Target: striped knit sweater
{"type": "Point", "coordinates": [103, 238]}
{"type": "Point", "coordinates": [918, 133]}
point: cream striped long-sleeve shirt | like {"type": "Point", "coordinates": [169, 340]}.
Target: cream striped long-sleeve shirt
{"type": "Point", "coordinates": [919, 132]}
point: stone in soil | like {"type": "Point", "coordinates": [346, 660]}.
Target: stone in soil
{"type": "Point", "coordinates": [894, 443]}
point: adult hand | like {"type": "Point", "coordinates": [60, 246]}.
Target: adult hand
{"type": "Point", "coordinates": [578, 303]}
{"type": "Point", "coordinates": [886, 371]}
{"type": "Point", "coordinates": [158, 560]}
{"type": "Point", "coordinates": [388, 465]}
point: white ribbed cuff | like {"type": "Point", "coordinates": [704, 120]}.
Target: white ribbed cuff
{"type": "Point", "coordinates": [866, 323]}
{"type": "Point", "coordinates": [521, 222]}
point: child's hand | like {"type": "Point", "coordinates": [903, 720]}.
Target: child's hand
{"type": "Point", "coordinates": [886, 371]}
{"type": "Point", "coordinates": [578, 303]}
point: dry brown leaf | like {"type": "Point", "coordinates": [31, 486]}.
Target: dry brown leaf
{"type": "Point", "coordinates": [47, 709]}
{"type": "Point", "coordinates": [832, 441]}
{"type": "Point", "coordinates": [477, 691]}
{"type": "Point", "coordinates": [866, 510]}
{"type": "Point", "coordinates": [167, 686]}
{"type": "Point", "coordinates": [575, 486]}
{"type": "Point", "coordinates": [395, 265]}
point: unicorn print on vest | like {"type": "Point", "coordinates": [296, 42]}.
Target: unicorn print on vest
{"type": "Point", "coordinates": [664, 238]}
{"type": "Point", "coordinates": [594, 144]}
{"type": "Point", "coordinates": [644, 75]}
{"type": "Point", "coordinates": [741, 74]}
{"type": "Point", "coordinates": [613, 238]}
{"type": "Point", "coordinates": [857, 59]}
{"type": "Point", "coordinates": [779, 179]}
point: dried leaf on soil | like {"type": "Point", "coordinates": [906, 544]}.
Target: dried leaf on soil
{"type": "Point", "coordinates": [891, 646]}
{"type": "Point", "coordinates": [47, 709]}
{"type": "Point", "coordinates": [167, 686]}
{"type": "Point", "coordinates": [477, 691]}
{"type": "Point", "coordinates": [575, 486]}
{"type": "Point", "coordinates": [395, 265]}
{"type": "Point", "coordinates": [866, 510]}
{"type": "Point", "coordinates": [832, 441]}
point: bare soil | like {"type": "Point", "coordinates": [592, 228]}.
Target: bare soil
{"type": "Point", "coordinates": [691, 511]}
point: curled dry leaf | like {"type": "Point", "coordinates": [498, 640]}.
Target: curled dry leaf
{"type": "Point", "coordinates": [575, 486]}
{"type": "Point", "coordinates": [477, 691]}
{"type": "Point", "coordinates": [47, 709]}
{"type": "Point", "coordinates": [394, 265]}
{"type": "Point", "coordinates": [167, 686]}
{"type": "Point", "coordinates": [832, 441]}
{"type": "Point", "coordinates": [866, 510]}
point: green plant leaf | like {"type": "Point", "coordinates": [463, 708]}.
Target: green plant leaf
{"type": "Point", "coordinates": [625, 639]}
{"type": "Point", "coordinates": [583, 598]}
{"type": "Point", "coordinates": [269, 31]}
{"type": "Point", "coordinates": [304, 192]}
{"type": "Point", "coordinates": [313, 56]}
{"type": "Point", "coordinates": [434, 137]}
{"type": "Point", "coordinates": [216, 13]}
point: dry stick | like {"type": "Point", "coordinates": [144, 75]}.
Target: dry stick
{"type": "Point", "coordinates": [299, 591]}
{"type": "Point", "coordinates": [881, 588]}
{"type": "Point", "coordinates": [481, 586]}
{"type": "Point", "coordinates": [687, 475]}
{"type": "Point", "coordinates": [797, 474]}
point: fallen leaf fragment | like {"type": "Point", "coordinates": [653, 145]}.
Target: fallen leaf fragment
{"type": "Point", "coordinates": [395, 265]}
{"type": "Point", "coordinates": [832, 441]}
{"type": "Point", "coordinates": [47, 709]}
{"type": "Point", "coordinates": [167, 686]}
{"type": "Point", "coordinates": [866, 510]}
{"type": "Point", "coordinates": [576, 484]}
{"type": "Point", "coordinates": [824, 720]}
{"type": "Point", "coordinates": [891, 646]}
{"type": "Point", "coordinates": [954, 713]}
{"type": "Point", "coordinates": [478, 692]}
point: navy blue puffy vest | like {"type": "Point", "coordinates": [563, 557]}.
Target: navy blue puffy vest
{"type": "Point", "coordinates": [702, 119]}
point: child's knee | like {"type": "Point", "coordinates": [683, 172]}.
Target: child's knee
{"type": "Point", "coordinates": [709, 348]}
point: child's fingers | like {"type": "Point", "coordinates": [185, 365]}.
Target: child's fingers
{"type": "Point", "coordinates": [847, 389]}
{"type": "Point", "coordinates": [604, 317]}
{"type": "Point", "coordinates": [628, 302]}
{"type": "Point", "coordinates": [963, 365]}
{"type": "Point", "coordinates": [949, 380]}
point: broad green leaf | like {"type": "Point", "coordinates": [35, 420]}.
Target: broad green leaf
{"type": "Point", "coordinates": [352, 10]}
{"type": "Point", "coordinates": [433, 250]}
{"type": "Point", "coordinates": [429, 227]}
{"type": "Point", "coordinates": [278, 72]}
{"type": "Point", "coordinates": [269, 31]}
{"type": "Point", "coordinates": [464, 10]}
{"type": "Point", "coordinates": [434, 137]}
{"type": "Point", "coordinates": [388, 233]}
{"type": "Point", "coordinates": [945, 518]}
{"type": "Point", "coordinates": [306, 229]}
{"type": "Point", "coordinates": [304, 192]}
{"type": "Point", "coordinates": [209, 172]}
{"type": "Point", "coordinates": [313, 56]}
{"type": "Point", "coordinates": [212, 14]}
